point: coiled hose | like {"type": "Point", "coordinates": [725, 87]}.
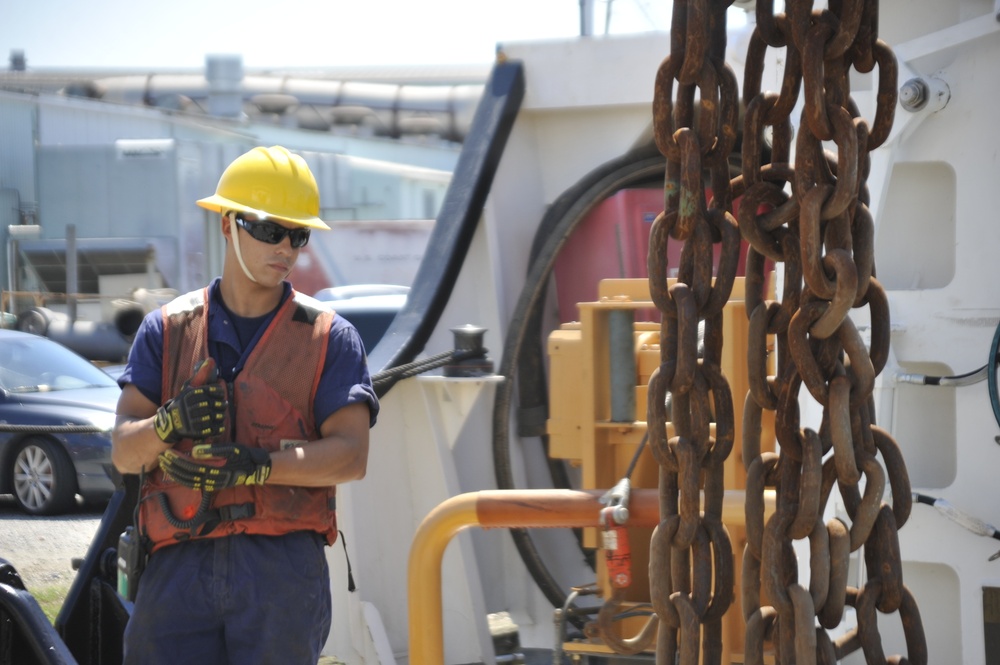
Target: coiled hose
{"type": "Point", "coordinates": [523, 351]}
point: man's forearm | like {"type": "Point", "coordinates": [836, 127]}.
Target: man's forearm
{"type": "Point", "coordinates": [135, 445]}
{"type": "Point", "coordinates": [328, 461]}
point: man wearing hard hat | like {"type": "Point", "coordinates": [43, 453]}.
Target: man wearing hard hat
{"type": "Point", "coordinates": [243, 406]}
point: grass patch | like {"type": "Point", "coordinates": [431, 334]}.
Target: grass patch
{"type": "Point", "coordinates": [50, 598]}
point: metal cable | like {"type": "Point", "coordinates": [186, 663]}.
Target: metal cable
{"type": "Point", "coordinates": [384, 380]}
{"type": "Point", "coordinates": [52, 429]}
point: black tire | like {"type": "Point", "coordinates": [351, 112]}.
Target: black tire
{"type": "Point", "coordinates": [42, 477]}
{"type": "Point", "coordinates": [33, 321]}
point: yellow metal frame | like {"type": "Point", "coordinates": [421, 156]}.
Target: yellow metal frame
{"type": "Point", "coordinates": [581, 431]}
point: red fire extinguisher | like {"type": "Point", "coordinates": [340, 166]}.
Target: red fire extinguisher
{"type": "Point", "coordinates": [617, 554]}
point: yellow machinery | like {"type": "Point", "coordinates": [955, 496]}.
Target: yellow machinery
{"type": "Point", "coordinates": [586, 427]}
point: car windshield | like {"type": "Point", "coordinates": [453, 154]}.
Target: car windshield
{"type": "Point", "coordinates": [37, 364]}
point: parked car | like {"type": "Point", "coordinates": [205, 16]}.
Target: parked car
{"type": "Point", "coordinates": [114, 370]}
{"type": "Point", "coordinates": [56, 414]}
{"type": "Point", "coordinates": [370, 307]}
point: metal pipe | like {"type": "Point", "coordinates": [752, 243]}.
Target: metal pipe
{"type": "Point", "coordinates": [511, 509]}
{"type": "Point", "coordinates": [72, 273]}
{"type": "Point", "coordinates": [94, 340]}
{"type": "Point", "coordinates": [586, 18]}
{"type": "Point", "coordinates": [12, 283]}
{"type": "Point", "coordinates": [388, 108]}
{"type": "Point", "coordinates": [15, 233]}
{"type": "Point", "coordinates": [424, 575]}
{"type": "Point", "coordinates": [621, 342]}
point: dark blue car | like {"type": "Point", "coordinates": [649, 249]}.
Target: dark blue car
{"type": "Point", "coordinates": [57, 410]}
{"type": "Point", "coordinates": [370, 307]}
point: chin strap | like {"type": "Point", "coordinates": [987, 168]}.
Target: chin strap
{"type": "Point", "coordinates": [236, 246]}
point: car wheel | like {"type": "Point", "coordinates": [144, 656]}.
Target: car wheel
{"type": "Point", "coordinates": [33, 321]}
{"type": "Point", "coordinates": [43, 478]}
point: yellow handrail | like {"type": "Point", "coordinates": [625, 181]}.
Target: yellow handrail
{"type": "Point", "coordinates": [509, 509]}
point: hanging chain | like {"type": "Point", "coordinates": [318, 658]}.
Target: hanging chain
{"type": "Point", "coordinates": [691, 557]}
{"type": "Point", "coordinates": [822, 234]}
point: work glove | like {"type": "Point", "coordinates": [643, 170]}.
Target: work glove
{"type": "Point", "coordinates": [199, 409]}
{"type": "Point", "coordinates": [214, 467]}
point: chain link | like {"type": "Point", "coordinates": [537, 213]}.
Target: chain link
{"type": "Point", "coordinates": [691, 562]}
{"type": "Point", "coordinates": [822, 235]}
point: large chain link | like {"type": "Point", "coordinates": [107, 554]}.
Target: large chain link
{"type": "Point", "coordinates": [822, 234]}
{"type": "Point", "coordinates": [691, 560]}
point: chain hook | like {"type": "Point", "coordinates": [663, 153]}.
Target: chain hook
{"type": "Point", "coordinates": [616, 500]}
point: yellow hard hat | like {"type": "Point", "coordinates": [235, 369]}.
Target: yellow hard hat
{"type": "Point", "coordinates": [269, 182]}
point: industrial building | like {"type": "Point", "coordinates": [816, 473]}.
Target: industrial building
{"type": "Point", "coordinates": [99, 172]}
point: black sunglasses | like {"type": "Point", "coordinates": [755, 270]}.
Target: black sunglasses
{"type": "Point", "coordinates": [272, 233]}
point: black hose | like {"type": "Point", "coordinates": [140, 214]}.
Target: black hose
{"type": "Point", "coordinates": [955, 380]}
{"type": "Point", "coordinates": [638, 167]}
{"type": "Point", "coordinates": [991, 374]}
{"type": "Point", "coordinates": [178, 523]}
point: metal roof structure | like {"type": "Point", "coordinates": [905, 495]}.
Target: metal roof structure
{"type": "Point", "coordinates": [94, 257]}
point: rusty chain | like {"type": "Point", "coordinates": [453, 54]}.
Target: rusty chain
{"type": "Point", "coordinates": [691, 561]}
{"type": "Point", "coordinates": [821, 234]}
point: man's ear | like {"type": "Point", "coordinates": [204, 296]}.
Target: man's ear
{"type": "Point", "coordinates": [227, 225]}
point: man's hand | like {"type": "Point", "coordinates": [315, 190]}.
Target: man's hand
{"type": "Point", "coordinates": [199, 409]}
{"type": "Point", "coordinates": [241, 465]}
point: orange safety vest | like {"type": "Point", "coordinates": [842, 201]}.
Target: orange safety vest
{"type": "Point", "coordinates": [270, 407]}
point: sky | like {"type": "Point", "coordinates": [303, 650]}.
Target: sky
{"type": "Point", "coordinates": [298, 33]}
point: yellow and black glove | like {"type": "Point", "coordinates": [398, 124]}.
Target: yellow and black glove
{"type": "Point", "coordinates": [199, 409]}
{"type": "Point", "coordinates": [240, 465]}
